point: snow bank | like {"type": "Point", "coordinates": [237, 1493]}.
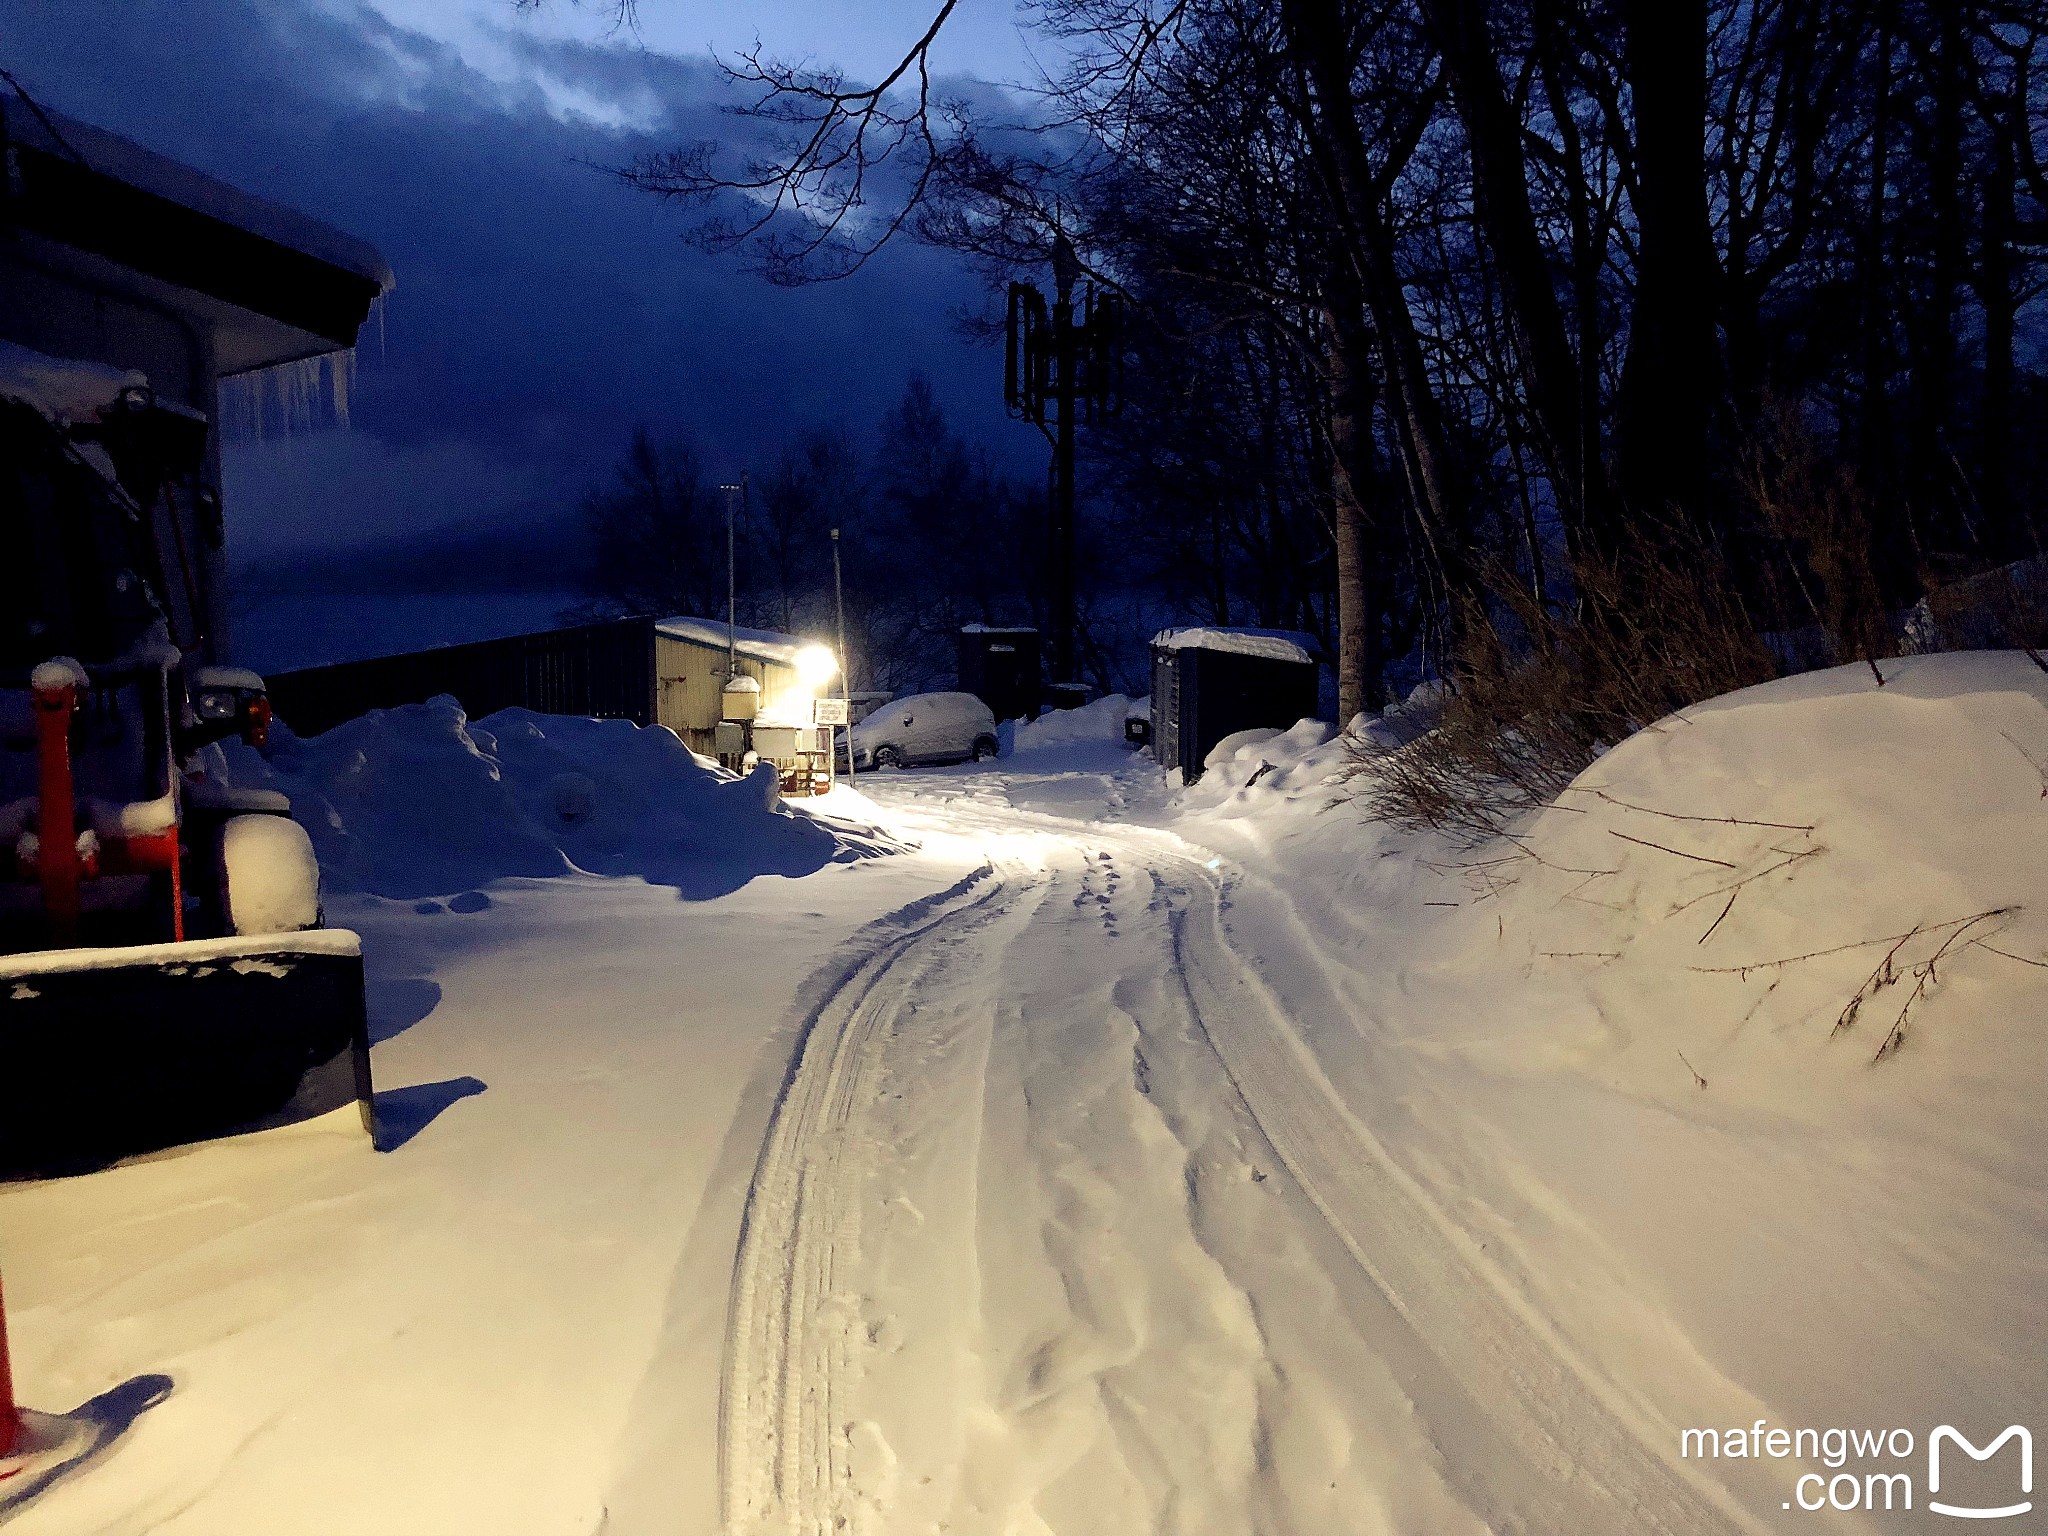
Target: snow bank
{"type": "Point", "coordinates": [1102, 720]}
{"type": "Point", "coordinates": [1733, 1057]}
{"type": "Point", "coordinates": [422, 801]}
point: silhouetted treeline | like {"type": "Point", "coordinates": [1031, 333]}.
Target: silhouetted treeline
{"type": "Point", "coordinates": [931, 537]}
{"type": "Point", "coordinates": [1439, 297]}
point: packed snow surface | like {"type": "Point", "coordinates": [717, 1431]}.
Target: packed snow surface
{"type": "Point", "coordinates": [1273, 644]}
{"type": "Point", "coordinates": [1114, 1159]}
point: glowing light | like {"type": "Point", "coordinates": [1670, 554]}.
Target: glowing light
{"type": "Point", "coordinates": [816, 666]}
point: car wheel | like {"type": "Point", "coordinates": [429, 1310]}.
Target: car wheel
{"type": "Point", "coordinates": [985, 747]}
{"type": "Point", "coordinates": [888, 757]}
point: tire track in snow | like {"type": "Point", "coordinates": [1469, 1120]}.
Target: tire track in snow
{"type": "Point", "coordinates": [1555, 1410]}
{"type": "Point", "coordinates": [1588, 1465]}
{"type": "Point", "coordinates": [784, 1457]}
{"type": "Point", "coordinates": [1582, 1463]}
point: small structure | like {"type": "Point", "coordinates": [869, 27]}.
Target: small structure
{"type": "Point", "coordinates": [701, 672]}
{"type": "Point", "coordinates": [1211, 683]}
{"type": "Point", "coordinates": [999, 666]}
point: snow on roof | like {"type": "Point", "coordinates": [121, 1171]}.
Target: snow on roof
{"type": "Point", "coordinates": [765, 645]}
{"type": "Point", "coordinates": [998, 629]}
{"type": "Point", "coordinates": [126, 161]}
{"type": "Point", "coordinates": [1273, 644]}
{"type": "Point", "coordinates": [62, 387]}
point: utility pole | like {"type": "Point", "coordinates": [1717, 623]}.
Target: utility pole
{"type": "Point", "coordinates": [1065, 268]}
{"type": "Point", "coordinates": [1056, 369]}
{"type": "Point", "coordinates": [845, 697]}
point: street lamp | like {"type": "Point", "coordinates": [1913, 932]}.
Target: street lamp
{"type": "Point", "coordinates": [816, 666]}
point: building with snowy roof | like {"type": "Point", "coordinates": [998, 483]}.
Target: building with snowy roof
{"type": "Point", "coordinates": [690, 671]}
{"type": "Point", "coordinates": [1210, 682]}
{"type": "Point", "coordinates": [118, 260]}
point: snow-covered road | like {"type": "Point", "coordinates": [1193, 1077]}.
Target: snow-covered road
{"type": "Point", "coordinates": [1061, 1226]}
{"type": "Point", "coordinates": [1037, 1150]}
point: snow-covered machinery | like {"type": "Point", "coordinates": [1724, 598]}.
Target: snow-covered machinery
{"type": "Point", "coordinates": [164, 973]}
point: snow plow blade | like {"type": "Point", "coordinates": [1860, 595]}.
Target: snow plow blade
{"type": "Point", "coordinates": [109, 1053]}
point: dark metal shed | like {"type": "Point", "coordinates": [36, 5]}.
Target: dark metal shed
{"type": "Point", "coordinates": [999, 666]}
{"type": "Point", "coordinates": [602, 670]}
{"type": "Point", "coordinates": [1211, 683]}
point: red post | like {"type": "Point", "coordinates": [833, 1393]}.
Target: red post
{"type": "Point", "coordinates": [10, 1416]}
{"type": "Point", "coordinates": [57, 862]}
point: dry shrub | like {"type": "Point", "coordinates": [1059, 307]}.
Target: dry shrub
{"type": "Point", "coordinates": [1813, 509]}
{"type": "Point", "coordinates": [1536, 695]}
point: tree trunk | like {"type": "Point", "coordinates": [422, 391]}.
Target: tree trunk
{"type": "Point", "coordinates": [1672, 367]}
{"type": "Point", "coordinates": [1338, 151]}
{"type": "Point", "coordinates": [1995, 293]}
{"type": "Point", "coordinates": [1891, 551]}
{"type": "Point", "coordinates": [1347, 364]}
{"type": "Point", "coordinates": [1500, 186]}
{"type": "Point", "coordinates": [1932, 480]}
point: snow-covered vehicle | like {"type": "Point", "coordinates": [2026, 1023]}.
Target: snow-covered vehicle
{"type": "Point", "coordinates": [925, 728]}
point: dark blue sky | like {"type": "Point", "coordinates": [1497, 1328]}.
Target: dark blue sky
{"type": "Point", "coordinates": [542, 308]}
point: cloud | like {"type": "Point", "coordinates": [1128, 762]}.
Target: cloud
{"type": "Point", "coordinates": [543, 308]}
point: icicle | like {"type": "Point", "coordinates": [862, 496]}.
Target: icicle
{"type": "Point", "coordinates": [302, 395]}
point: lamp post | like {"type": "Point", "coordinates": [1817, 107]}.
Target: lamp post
{"type": "Point", "coordinates": [845, 661]}
{"type": "Point", "coordinates": [733, 494]}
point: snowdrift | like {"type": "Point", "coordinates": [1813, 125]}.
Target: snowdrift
{"type": "Point", "coordinates": [421, 801]}
{"type": "Point", "coordinates": [1100, 720]}
{"type": "Point", "coordinates": [1732, 1057]}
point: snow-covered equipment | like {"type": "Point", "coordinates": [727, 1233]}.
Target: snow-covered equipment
{"type": "Point", "coordinates": [163, 974]}
{"type": "Point", "coordinates": [925, 728]}
{"type": "Point", "coordinates": [1209, 683]}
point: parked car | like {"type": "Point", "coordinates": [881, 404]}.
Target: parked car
{"type": "Point", "coordinates": [925, 728]}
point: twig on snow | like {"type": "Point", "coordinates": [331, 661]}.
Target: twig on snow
{"type": "Point", "coordinates": [1717, 921]}
{"type": "Point", "coordinates": [1722, 821]}
{"type": "Point", "coordinates": [1842, 949]}
{"type": "Point", "coordinates": [1661, 848]}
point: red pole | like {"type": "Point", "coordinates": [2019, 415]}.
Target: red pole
{"type": "Point", "coordinates": [58, 860]}
{"type": "Point", "coordinates": [10, 1416]}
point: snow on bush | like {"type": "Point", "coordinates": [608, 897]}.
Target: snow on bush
{"type": "Point", "coordinates": [1102, 720]}
{"type": "Point", "coordinates": [422, 801]}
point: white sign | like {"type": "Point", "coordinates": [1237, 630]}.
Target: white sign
{"type": "Point", "coordinates": [828, 712]}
